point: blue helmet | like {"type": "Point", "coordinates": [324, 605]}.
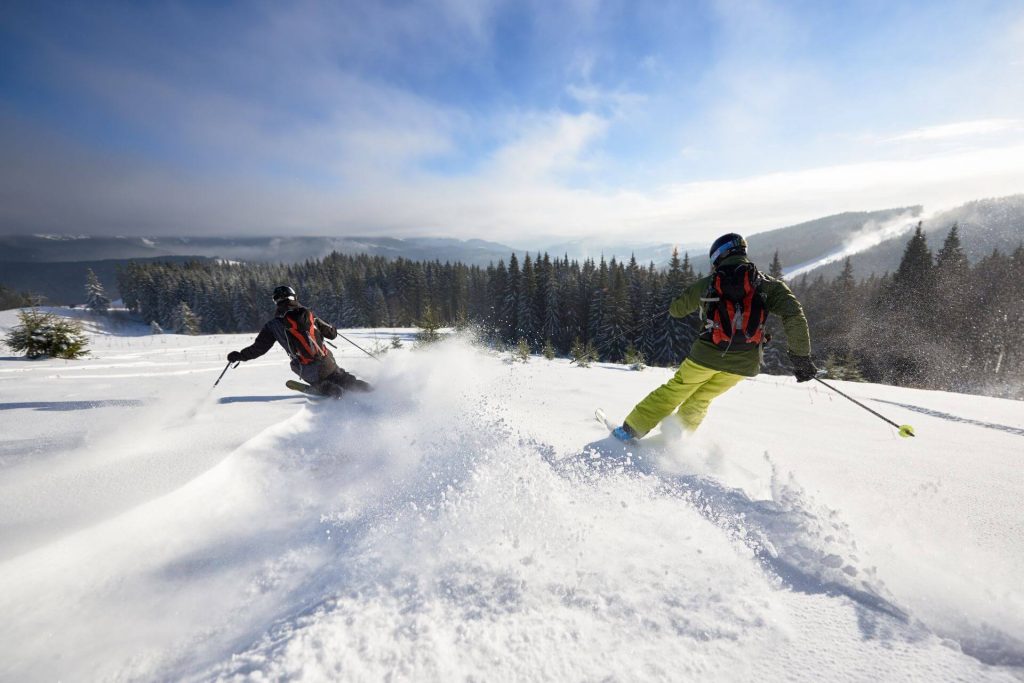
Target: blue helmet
{"type": "Point", "coordinates": [727, 244]}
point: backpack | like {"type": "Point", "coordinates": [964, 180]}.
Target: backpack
{"type": "Point", "coordinates": [735, 308]}
{"type": "Point", "coordinates": [304, 341]}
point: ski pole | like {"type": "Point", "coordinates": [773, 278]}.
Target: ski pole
{"type": "Point", "coordinates": [358, 347]}
{"type": "Point", "coordinates": [225, 370]}
{"type": "Point", "coordinates": [905, 430]}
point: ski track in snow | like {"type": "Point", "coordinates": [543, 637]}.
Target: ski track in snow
{"type": "Point", "coordinates": [442, 528]}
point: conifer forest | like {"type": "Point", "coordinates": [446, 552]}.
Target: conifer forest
{"type": "Point", "coordinates": [938, 322]}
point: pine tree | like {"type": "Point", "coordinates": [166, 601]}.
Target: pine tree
{"type": "Point", "coordinates": [40, 334]}
{"type": "Point", "coordinates": [612, 342]}
{"type": "Point", "coordinates": [634, 359]}
{"type": "Point", "coordinates": [521, 352]}
{"type": "Point", "coordinates": [429, 326]}
{"type": "Point", "coordinates": [775, 268]}
{"type": "Point", "coordinates": [526, 324]}
{"type": "Point", "coordinates": [674, 336]}
{"type": "Point", "coordinates": [95, 298]}
{"type": "Point", "coordinates": [508, 321]}
{"type": "Point", "coordinates": [184, 321]}
{"type": "Point", "coordinates": [548, 350]}
{"type": "Point", "coordinates": [952, 287]}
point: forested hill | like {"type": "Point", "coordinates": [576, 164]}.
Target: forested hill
{"type": "Point", "coordinates": [937, 322]}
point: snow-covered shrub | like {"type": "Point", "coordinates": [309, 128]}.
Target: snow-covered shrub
{"type": "Point", "coordinates": [45, 334]}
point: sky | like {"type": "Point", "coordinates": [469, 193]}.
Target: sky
{"type": "Point", "coordinates": [522, 122]}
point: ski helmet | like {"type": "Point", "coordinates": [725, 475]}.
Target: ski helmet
{"type": "Point", "coordinates": [283, 293]}
{"type": "Point", "coordinates": [727, 244]}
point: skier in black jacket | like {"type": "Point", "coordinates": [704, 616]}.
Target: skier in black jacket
{"type": "Point", "coordinates": [302, 335]}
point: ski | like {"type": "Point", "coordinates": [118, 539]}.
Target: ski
{"type": "Point", "coordinates": [601, 417]}
{"type": "Point", "coordinates": [305, 389]}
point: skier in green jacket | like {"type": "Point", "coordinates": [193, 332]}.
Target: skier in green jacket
{"type": "Point", "coordinates": [734, 301]}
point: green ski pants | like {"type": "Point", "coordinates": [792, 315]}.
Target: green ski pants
{"type": "Point", "coordinates": [691, 389]}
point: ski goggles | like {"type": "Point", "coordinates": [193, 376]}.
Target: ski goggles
{"type": "Point", "coordinates": [726, 248]}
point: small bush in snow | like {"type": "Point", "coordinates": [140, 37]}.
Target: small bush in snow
{"type": "Point", "coordinates": [583, 354]}
{"type": "Point", "coordinates": [396, 342]}
{"type": "Point", "coordinates": [521, 352]}
{"type": "Point", "coordinates": [843, 367]}
{"type": "Point", "coordinates": [45, 334]}
{"type": "Point", "coordinates": [548, 350]}
{"type": "Point", "coordinates": [635, 359]}
{"type": "Point", "coordinates": [429, 327]}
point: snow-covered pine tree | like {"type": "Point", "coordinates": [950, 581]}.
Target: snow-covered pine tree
{"type": "Point", "coordinates": [40, 334]}
{"type": "Point", "coordinates": [184, 321]}
{"type": "Point", "coordinates": [95, 297]}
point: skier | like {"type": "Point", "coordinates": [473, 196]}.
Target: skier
{"type": "Point", "coordinates": [302, 335]}
{"type": "Point", "coordinates": [734, 301]}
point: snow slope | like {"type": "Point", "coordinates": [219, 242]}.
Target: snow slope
{"type": "Point", "coordinates": [471, 520]}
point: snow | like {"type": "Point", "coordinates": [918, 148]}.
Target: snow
{"type": "Point", "coordinates": [471, 520]}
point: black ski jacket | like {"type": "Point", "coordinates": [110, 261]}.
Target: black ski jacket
{"type": "Point", "coordinates": [277, 331]}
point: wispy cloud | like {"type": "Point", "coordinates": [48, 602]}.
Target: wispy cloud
{"type": "Point", "coordinates": [961, 129]}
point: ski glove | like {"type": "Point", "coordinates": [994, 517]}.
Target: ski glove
{"type": "Point", "coordinates": [235, 356]}
{"type": "Point", "coordinates": [803, 368]}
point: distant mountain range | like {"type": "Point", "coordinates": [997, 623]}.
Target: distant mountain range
{"type": "Point", "coordinates": [54, 248]}
{"type": "Point", "coordinates": [55, 265]}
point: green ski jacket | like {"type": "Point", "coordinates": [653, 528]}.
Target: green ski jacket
{"type": "Point", "coordinates": [780, 301]}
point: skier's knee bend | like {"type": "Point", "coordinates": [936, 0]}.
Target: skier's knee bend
{"type": "Point", "coordinates": [692, 413]}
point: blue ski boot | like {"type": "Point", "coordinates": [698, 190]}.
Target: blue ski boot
{"type": "Point", "coordinates": [624, 434]}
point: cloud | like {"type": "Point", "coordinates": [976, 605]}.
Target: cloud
{"type": "Point", "coordinates": [961, 129]}
{"type": "Point", "coordinates": [395, 119]}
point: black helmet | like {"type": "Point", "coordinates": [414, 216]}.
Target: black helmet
{"type": "Point", "coordinates": [283, 293]}
{"type": "Point", "coordinates": [725, 245]}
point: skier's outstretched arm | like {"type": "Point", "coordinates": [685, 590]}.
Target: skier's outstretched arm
{"type": "Point", "coordinates": [264, 340]}
{"type": "Point", "coordinates": [689, 300]}
{"type": "Point", "coordinates": [328, 330]}
{"type": "Point", "coordinates": [783, 303]}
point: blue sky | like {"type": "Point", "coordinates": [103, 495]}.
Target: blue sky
{"type": "Point", "coordinates": [516, 121]}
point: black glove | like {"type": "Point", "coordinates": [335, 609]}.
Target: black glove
{"type": "Point", "coordinates": [803, 368]}
{"type": "Point", "coordinates": [235, 356]}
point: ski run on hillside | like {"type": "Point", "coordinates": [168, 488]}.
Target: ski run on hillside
{"type": "Point", "coordinates": [470, 520]}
